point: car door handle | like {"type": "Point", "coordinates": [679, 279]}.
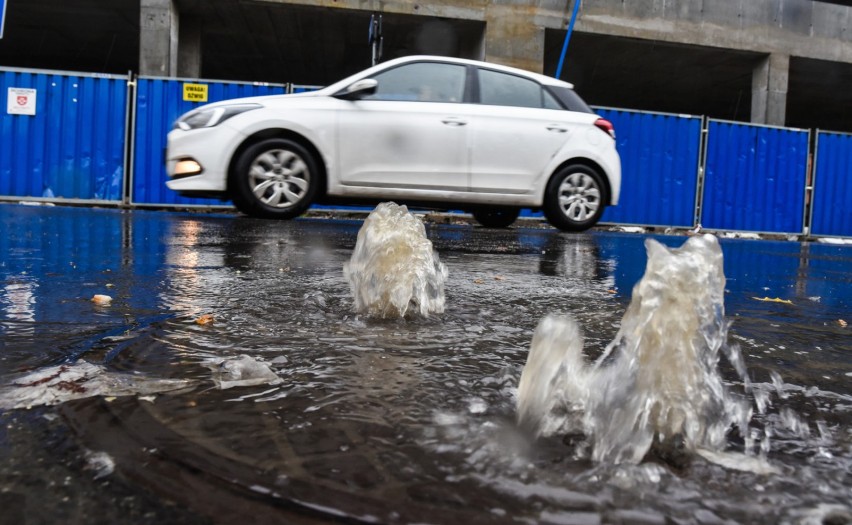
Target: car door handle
{"type": "Point", "coordinates": [454, 121]}
{"type": "Point", "coordinates": [557, 128]}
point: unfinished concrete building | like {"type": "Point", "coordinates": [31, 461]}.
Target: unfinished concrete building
{"type": "Point", "coordinates": [780, 62]}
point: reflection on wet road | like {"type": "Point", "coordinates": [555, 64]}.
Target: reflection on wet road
{"type": "Point", "coordinates": [377, 420]}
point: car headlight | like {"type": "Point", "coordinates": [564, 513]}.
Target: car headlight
{"type": "Point", "coordinates": [209, 117]}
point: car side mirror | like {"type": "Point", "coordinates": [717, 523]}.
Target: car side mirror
{"type": "Point", "coordinates": [358, 89]}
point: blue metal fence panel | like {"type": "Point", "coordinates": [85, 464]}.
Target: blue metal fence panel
{"type": "Point", "coordinates": [72, 148]}
{"type": "Point", "coordinates": [831, 208]}
{"type": "Point", "coordinates": [754, 178]}
{"type": "Point", "coordinates": [659, 160]}
{"type": "Point", "coordinates": [303, 88]}
{"type": "Point", "coordinates": [159, 102]}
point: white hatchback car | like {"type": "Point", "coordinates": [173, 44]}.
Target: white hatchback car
{"type": "Point", "coordinates": [435, 132]}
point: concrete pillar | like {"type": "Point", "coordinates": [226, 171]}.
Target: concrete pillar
{"type": "Point", "coordinates": [769, 90]}
{"type": "Point", "coordinates": [189, 50]}
{"type": "Point", "coordinates": [158, 38]}
{"type": "Point", "coordinates": [512, 38]}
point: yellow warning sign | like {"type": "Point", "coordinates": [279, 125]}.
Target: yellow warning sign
{"type": "Point", "coordinates": [195, 92]}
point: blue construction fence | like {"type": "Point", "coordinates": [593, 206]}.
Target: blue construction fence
{"type": "Point", "coordinates": [158, 103]}
{"type": "Point", "coordinates": [63, 135]}
{"type": "Point", "coordinates": [755, 178]}
{"type": "Point", "coordinates": [100, 138]}
{"type": "Point", "coordinates": [660, 155]}
{"type": "Point", "coordinates": [831, 211]}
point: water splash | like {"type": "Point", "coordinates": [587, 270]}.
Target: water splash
{"type": "Point", "coordinates": [656, 387]}
{"type": "Point", "coordinates": [394, 268]}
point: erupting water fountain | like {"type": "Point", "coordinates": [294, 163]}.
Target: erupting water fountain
{"type": "Point", "coordinates": [394, 268]}
{"type": "Point", "coordinates": [657, 387]}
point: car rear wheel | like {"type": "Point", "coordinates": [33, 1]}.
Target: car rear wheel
{"type": "Point", "coordinates": [574, 199]}
{"type": "Point", "coordinates": [496, 217]}
{"type": "Point", "coordinates": [274, 179]}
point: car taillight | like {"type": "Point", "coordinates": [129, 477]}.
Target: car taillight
{"type": "Point", "coordinates": [605, 126]}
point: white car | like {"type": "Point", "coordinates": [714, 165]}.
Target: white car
{"type": "Point", "coordinates": [435, 132]}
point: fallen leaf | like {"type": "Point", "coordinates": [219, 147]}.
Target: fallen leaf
{"type": "Point", "coordinates": [772, 300]}
{"type": "Point", "coordinates": [499, 278]}
{"type": "Point", "coordinates": [101, 299]}
{"type": "Point", "coordinates": [204, 319]}
{"type": "Point", "coordinates": [478, 281]}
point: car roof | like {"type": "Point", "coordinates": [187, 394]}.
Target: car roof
{"type": "Point", "coordinates": [542, 79]}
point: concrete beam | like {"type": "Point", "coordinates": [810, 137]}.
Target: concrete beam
{"type": "Point", "coordinates": [462, 9]}
{"type": "Point", "coordinates": [513, 38]}
{"type": "Point", "coordinates": [770, 82]}
{"type": "Point", "coordinates": [158, 38]}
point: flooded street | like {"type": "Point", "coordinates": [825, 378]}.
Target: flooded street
{"type": "Point", "coordinates": [230, 379]}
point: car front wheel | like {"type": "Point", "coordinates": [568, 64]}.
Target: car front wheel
{"type": "Point", "coordinates": [496, 217]}
{"type": "Point", "coordinates": [274, 179]}
{"type": "Point", "coordinates": [574, 199]}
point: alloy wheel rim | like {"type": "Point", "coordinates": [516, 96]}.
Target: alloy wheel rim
{"type": "Point", "coordinates": [579, 196]}
{"type": "Point", "coordinates": [279, 178]}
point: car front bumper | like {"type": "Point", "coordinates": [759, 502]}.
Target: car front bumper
{"type": "Point", "coordinates": [210, 148]}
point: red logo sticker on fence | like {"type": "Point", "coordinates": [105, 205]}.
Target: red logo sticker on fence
{"type": "Point", "coordinates": [21, 101]}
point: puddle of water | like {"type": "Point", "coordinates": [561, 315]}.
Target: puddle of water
{"type": "Point", "coordinates": [395, 420]}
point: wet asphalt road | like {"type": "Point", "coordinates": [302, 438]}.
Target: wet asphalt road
{"type": "Point", "coordinates": [785, 298]}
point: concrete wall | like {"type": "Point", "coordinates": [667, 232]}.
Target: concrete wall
{"type": "Point", "coordinates": [803, 28]}
{"type": "Point", "coordinates": [515, 28]}
{"type": "Point", "coordinates": [764, 37]}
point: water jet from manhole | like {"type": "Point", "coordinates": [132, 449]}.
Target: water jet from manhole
{"type": "Point", "coordinates": [394, 270]}
{"type": "Point", "coordinates": [657, 387]}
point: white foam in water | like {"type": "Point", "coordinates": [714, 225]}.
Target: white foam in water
{"type": "Point", "coordinates": [100, 462]}
{"type": "Point", "coordinates": [58, 384]}
{"type": "Point", "coordinates": [243, 370]}
{"type": "Point", "coordinates": [657, 383]}
{"type": "Point", "coordinates": [394, 269]}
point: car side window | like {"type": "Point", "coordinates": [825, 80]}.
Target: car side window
{"type": "Point", "coordinates": [550, 101]}
{"type": "Point", "coordinates": [422, 82]}
{"type": "Point", "coordinates": [501, 89]}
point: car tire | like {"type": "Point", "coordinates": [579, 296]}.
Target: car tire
{"type": "Point", "coordinates": [575, 198]}
{"type": "Point", "coordinates": [274, 179]}
{"type": "Point", "coordinates": [496, 217]}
